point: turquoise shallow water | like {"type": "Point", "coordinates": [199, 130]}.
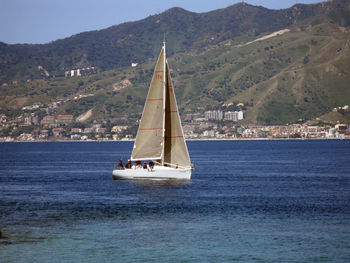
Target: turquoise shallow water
{"type": "Point", "coordinates": [248, 201]}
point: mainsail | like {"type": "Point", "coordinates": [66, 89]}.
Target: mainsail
{"type": "Point", "coordinates": [149, 140]}
{"type": "Point", "coordinates": [160, 135]}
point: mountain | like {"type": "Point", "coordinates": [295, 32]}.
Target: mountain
{"type": "Point", "coordinates": [120, 45]}
{"type": "Point", "coordinates": [300, 73]}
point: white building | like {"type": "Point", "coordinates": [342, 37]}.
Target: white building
{"type": "Point", "coordinates": [240, 115]}
{"type": "Point", "coordinates": [81, 72]}
{"type": "Point", "coordinates": [234, 116]}
{"type": "Point", "coordinates": [210, 133]}
{"type": "Point", "coordinates": [231, 116]}
{"type": "Point", "coordinates": [213, 115]}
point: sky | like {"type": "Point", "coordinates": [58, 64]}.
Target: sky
{"type": "Point", "coordinates": [43, 21]}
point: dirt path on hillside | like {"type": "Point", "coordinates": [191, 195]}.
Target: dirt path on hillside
{"type": "Point", "coordinates": [84, 116]}
{"type": "Point", "coordinates": [274, 34]}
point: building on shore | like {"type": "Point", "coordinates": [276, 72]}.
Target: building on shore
{"type": "Point", "coordinates": [64, 119]}
{"type": "Point", "coordinates": [214, 115]}
{"type": "Point", "coordinates": [234, 116]}
{"type": "Point", "coordinates": [49, 119]}
{"type": "Point", "coordinates": [60, 119]}
{"type": "Point", "coordinates": [58, 132]}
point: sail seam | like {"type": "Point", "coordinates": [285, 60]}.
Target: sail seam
{"type": "Point", "coordinates": [155, 99]}
{"type": "Point", "coordinates": [150, 129]}
{"type": "Point", "coordinates": [145, 158]}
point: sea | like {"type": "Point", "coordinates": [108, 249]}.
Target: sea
{"type": "Point", "coordinates": [248, 201]}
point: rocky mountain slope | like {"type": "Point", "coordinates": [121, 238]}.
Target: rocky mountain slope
{"type": "Point", "coordinates": [283, 65]}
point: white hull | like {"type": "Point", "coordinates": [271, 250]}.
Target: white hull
{"type": "Point", "coordinates": [158, 173]}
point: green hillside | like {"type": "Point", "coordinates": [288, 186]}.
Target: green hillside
{"type": "Point", "coordinates": [120, 45]}
{"type": "Point", "coordinates": [298, 74]}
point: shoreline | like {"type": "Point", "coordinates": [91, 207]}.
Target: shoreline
{"type": "Point", "coordinates": [188, 140]}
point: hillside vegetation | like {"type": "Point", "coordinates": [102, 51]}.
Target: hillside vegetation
{"type": "Point", "coordinates": [300, 73]}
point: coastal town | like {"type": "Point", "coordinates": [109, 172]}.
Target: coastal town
{"type": "Point", "coordinates": [40, 122]}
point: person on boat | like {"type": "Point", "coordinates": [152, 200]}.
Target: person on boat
{"type": "Point", "coordinates": [138, 165]}
{"type": "Point", "coordinates": [121, 165]}
{"type": "Point", "coordinates": [145, 165]}
{"type": "Point", "coordinates": [128, 165]}
{"type": "Point", "coordinates": [151, 165]}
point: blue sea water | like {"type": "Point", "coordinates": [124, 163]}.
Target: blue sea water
{"type": "Point", "coordinates": [248, 201]}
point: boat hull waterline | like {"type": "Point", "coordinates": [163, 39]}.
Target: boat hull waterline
{"type": "Point", "coordinates": [159, 172]}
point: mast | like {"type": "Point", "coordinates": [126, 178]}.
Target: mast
{"type": "Point", "coordinates": [164, 102]}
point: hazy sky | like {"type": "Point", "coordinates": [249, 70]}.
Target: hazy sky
{"type": "Point", "coordinates": [42, 21]}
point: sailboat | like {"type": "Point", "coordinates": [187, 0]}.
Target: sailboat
{"type": "Point", "coordinates": [160, 136]}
